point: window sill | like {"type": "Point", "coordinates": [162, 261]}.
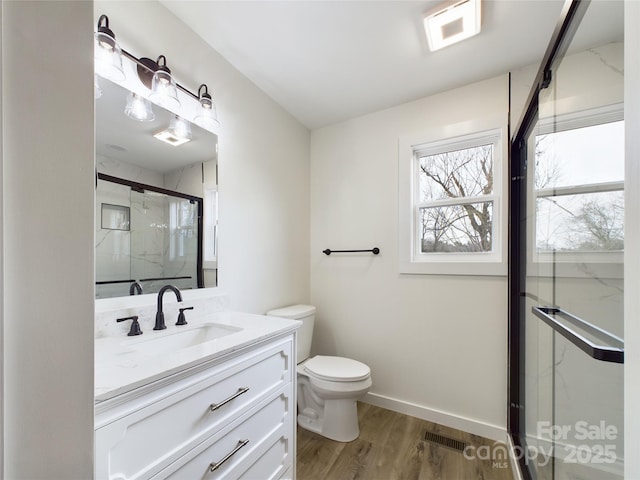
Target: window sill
{"type": "Point", "coordinates": [443, 267]}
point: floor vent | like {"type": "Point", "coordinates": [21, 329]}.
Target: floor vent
{"type": "Point", "coordinates": [451, 443]}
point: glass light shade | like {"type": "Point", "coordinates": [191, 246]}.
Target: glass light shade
{"type": "Point", "coordinates": [180, 128]}
{"type": "Point", "coordinates": [163, 90]}
{"type": "Point", "coordinates": [108, 57]}
{"type": "Point", "coordinates": [139, 108]}
{"type": "Point", "coordinates": [207, 118]}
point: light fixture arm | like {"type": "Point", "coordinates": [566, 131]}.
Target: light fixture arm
{"type": "Point", "coordinates": [205, 93]}
{"type": "Point", "coordinates": [204, 98]}
{"type": "Point", "coordinates": [163, 65]}
{"type": "Point", "coordinates": [103, 26]}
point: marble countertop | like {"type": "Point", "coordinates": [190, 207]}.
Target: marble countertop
{"type": "Point", "coordinates": [124, 363]}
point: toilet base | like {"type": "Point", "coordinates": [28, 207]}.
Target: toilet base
{"type": "Point", "coordinates": [339, 422]}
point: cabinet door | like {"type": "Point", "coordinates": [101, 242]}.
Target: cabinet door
{"type": "Point", "coordinates": [149, 439]}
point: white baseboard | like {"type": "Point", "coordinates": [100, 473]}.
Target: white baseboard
{"type": "Point", "coordinates": [492, 432]}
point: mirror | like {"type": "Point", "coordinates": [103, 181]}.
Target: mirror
{"type": "Point", "coordinates": [156, 203]}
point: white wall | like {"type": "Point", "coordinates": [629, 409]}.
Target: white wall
{"type": "Point", "coordinates": [263, 161]}
{"type": "Point", "coordinates": [47, 189]}
{"type": "Point", "coordinates": [632, 241]}
{"type": "Point", "coordinates": [436, 345]}
{"type": "Point", "coordinates": [1, 265]}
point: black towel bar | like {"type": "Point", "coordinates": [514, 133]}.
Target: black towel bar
{"type": "Point", "coordinates": [374, 250]}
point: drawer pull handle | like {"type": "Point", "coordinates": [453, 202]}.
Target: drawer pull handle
{"type": "Point", "coordinates": [213, 466]}
{"type": "Point", "coordinates": [214, 406]}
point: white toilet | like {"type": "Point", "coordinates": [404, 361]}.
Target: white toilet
{"type": "Point", "coordinates": [328, 387]}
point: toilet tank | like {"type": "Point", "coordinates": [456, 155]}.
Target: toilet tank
{"type": "Point", "coordinates": [305, 313]}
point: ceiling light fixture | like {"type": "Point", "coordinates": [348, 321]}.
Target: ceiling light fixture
{"type": "Point", "coordinates": [207, 117]}
{"type": "Point", "coordinates": [452, 22]}
{"type": "Point", "coordinates": [178, 133]}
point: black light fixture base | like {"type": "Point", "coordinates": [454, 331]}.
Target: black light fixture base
{"type": "Point", "coordinates": [146, 68]}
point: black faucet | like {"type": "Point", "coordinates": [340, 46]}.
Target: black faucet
{"type": "Point", "coordinates": [160, 315]}
{"type": "Point", "coordinates": [135, 288]}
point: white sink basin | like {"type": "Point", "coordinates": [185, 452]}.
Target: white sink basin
{"type": "Point", "coordinates": [169, 341]}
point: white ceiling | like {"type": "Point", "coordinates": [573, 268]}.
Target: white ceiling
{"type": "Point", "coordinates": [327, 61]}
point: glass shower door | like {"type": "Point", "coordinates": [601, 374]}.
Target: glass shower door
{"type": "Point", "coordinates": [573, 303]}
{"type": "Point", "coordinates": [571, 412]}
{"type": "Point", "coordinates": [164, 242]}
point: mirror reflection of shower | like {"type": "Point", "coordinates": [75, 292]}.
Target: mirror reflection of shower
{"type": "Point", "coordinates": [146, 235]}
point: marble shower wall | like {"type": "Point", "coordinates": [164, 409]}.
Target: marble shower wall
{"type": "Point", "coordinates": [149, 234]}
{"type": "Point", "coordinates": [113, 247]}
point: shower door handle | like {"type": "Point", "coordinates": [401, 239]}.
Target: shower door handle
{"type": "Point", "coordinates": [602, 345]}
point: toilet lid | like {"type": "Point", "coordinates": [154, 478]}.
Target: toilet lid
{"type": "Point", "coordinates": [337, 369]}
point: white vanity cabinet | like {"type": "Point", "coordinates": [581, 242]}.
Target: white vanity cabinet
{"type": "Point", "coordinates": [230, 417]}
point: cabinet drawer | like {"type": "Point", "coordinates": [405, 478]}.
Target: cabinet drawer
{"type": "Point", "coordinates": [256, 447]}
{"type": "Point", "coordinates": [142, 443]}
{"type": "Point", "coordinates": [273, 463]}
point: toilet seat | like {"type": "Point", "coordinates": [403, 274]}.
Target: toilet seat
{"type": "Point", "coordinates": [337, 369]}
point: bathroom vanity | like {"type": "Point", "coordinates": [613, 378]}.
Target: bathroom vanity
{"type": "Point", "coordinates": [212, 399]}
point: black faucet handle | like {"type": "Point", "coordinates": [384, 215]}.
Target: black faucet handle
{"type": "Point", "coordinates": [181, 318]}
{"type": "Point", "coordinates": [135, 326]}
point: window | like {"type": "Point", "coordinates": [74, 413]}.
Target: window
{"type": "Point", "coordinates": [456, 210]}
{"type": "Point", "coordinates": [578, 188]}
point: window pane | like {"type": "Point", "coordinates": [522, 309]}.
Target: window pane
{"type": "Point", "coordinates": [580, 223]}
{"type": "Point", "coordinates": [457, 228]}
{"type": "Point", "coordinates": [581, 156]}
{"type": "Point", "coordinates": [456, 174]}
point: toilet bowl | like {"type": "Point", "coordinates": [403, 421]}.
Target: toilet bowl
{"type": "Point", "coordinates": [328, 390]}
{"type": "Point", "coordinates": [328, 387]}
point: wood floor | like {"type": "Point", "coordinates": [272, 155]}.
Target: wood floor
{"type": "Point", "coordinates": [392, 446]}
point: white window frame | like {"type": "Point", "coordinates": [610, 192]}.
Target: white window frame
{"type": "Point", "coordinates": [411, 259]}
{"type": "Point", "coordinates": [573, 264]}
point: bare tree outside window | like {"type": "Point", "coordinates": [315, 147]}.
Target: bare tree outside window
{"type": "Point", "coordinates": [573, 212]}
{"type": "Point", "coordinates": [453, 216]}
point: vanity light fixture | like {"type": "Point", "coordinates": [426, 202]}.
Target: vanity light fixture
{"type": "Point", "coordinates": [139, 108]}
{"type": "Point", "coordinates": [452, 22]}
{"type": "Point", "coordinates": [207, 117]}
{"type": "Point", "coordinates": [178, 133]}
{"type": "Point", "coordinates": [155, 75]}
{"type": "Point", "coordinates": [107, 53]}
